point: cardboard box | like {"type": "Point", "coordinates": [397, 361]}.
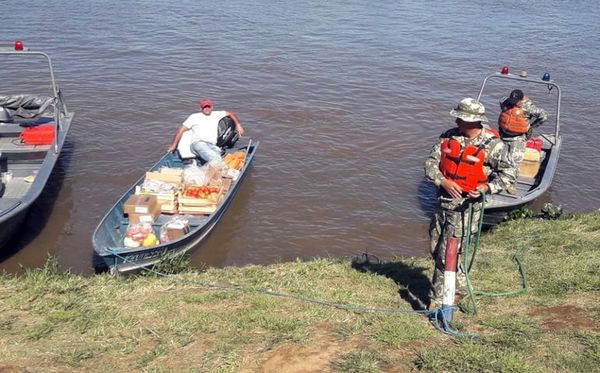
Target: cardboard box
{"type": "Point", "coordinates": [171, 171]}
{"type": "Point", "coordinates": [170, 195]}
{"type": "Point", "coordinates": [165, 177]}
{"type": "Point", "coordinates": [169, 208]}
{"type": "Point", "coordinates": [530, 165]}
{"type": "Point", "coordinates": [140, 204]}
{"type": "Point", "coordinates": [167, 200]}
{"type": "Point", "coordinates": [202, 210]}
{"type": "Point", "coordinates": [176, 232]}
{"type": "Point", "coordinates": [148, 217]}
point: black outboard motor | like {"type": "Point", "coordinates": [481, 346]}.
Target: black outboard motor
{"type": "Point", "coordinates": [227, 136]}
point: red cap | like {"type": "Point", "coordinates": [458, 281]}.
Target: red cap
{"type": "Point", "coordinates": [206, 103]}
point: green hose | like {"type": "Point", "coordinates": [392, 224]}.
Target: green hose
{"type": "Point", "coordinates": [468, 262]}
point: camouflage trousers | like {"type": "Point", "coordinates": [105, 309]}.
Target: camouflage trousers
{"type": "Point", "coordinates": [515, 148]}
{"type": "Point", "coordinates": [450, 220]}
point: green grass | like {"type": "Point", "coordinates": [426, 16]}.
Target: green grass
{"type": "Point", "coordinates": [511, 332]}
{"type": "Point", "coordinates": [395, 331]}
{"type": "Point", "coordinates": [228, 320]}
{"type": "Point", "coordinates": [359, 362]}
{"type": "Point", "coordinates": [577, 352]}
{"type": "Point", "coordinates": [472, 357]}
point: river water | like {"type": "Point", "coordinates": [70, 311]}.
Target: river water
{"type": "Point", "coordinates": [346, 98]}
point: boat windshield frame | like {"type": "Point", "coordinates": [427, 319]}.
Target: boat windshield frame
{"type": "Point", "coordinates": [59, 105]}
{"type": "Point", "coordinates": [549, 83]}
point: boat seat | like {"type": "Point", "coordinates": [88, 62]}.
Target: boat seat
{"type": "Point", "coordinates": [193, 221]}
{"type": "Point", "coordinates": [184, 146]}
{"type": "Point", "coordinates": [11, 129]}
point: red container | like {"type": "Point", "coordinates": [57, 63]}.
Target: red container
{"type": "Point", "coordinates": [39, 135]}
{"type": "Point", "coordinates": [534, 143]}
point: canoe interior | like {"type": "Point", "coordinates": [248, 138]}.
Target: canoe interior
{"type": "Point", "coordinates": [108, 237]}
{"type": "Point", "coordinates": [22, 160]}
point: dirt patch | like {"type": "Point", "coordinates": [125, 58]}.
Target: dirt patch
{"type": "Point", "coordinates": [191, 355]}
{"type": "Point", "coordinates": [12, 369]}
{"type": "Point", "coordinates": [564, 317]}
{"type": "Point", "coordinates": [313, 357]}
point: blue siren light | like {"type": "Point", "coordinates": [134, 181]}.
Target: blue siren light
{"type": "Point", "coordinates": [546, 77]}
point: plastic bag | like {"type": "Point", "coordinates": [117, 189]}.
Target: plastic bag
{"type": "Point", "coordinates": [140, 235]}
{"type": "Point", "coordinates": [208, 174]}
{"type": "Point", "coordinates": [232, 173]}
{"type": "Point", "coordinates": [157, 186]}
{"type": "Point", "coordinates": [196, 175]}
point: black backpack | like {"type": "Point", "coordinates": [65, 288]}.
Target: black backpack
{"type": "Point", "coordinates": [227, 136]}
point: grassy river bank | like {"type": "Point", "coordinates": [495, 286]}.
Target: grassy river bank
{"type": "Point", "coordinates": [52, 321]}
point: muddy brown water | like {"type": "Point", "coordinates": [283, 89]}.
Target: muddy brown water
{"type": "Point", "coordinates": [346, 99]}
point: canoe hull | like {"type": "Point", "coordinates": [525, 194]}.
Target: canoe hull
{"type": "Point", "coordinates": [9, 227]}
{"type": "Point", "coordinates": [122, 260]}
{"type": "Point", "coordinates": [32, 154]}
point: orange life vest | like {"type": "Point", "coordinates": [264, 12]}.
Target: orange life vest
{"type": "Point", "coordinates": [463, 166]}
{"type": "Point", "coordinates": [513, 121]}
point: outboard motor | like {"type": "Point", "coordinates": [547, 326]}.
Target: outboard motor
{"type": "Point", "coordinates": [227, 136]}
{"type": "Point", "coordinates": [5, 116]}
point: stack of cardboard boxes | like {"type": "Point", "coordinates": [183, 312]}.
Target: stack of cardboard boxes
{"type": "Point", "coordinates": [163, 192]}
{"type": "Point", "coordinates": [146, 205]}
{"type": "Point", "coordinates": [167, 199]}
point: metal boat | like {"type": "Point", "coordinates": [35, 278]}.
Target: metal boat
{"type": "Point", "coordinates": [108, 238]}
{"type": "Point", "coordinates": [528, 189]}
{"type": "Point", "coordinates": [26, 162]}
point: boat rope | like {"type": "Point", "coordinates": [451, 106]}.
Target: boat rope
{"type": "Point", "coordinates": [439, 321]}
{"type": "Point", "coordinates": [348, 307]}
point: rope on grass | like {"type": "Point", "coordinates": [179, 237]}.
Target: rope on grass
{"type": "Point", "coordinates": [274, 293]}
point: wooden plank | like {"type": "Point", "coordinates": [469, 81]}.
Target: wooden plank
{"type": "Point", "coordinates": [197, 209]}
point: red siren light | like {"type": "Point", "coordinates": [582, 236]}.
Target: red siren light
{"type": "Point", "coordinates": [504, 70]}
{"type": "Point", "coordinates": [18, 45]}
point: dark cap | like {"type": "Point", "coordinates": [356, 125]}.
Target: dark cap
{"type": "Point", "coordinates": [517, 94]}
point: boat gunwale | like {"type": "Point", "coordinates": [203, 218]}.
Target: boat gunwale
{"type": "Point", "coordinates": [108, 252]}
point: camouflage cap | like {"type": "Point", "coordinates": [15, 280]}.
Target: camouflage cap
{"type": "Point", "coordinates": [469, 110]}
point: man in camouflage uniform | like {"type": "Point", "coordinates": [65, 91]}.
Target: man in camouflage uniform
{"type": "Point", "coordinates": [515, 143]}
{"type": "Point", "coordinates": [450, 218]}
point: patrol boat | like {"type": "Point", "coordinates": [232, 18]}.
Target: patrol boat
{"type": "Point", "coordinates": [536, 173]}
{"type": "Point", "coordinates": [33, 129]}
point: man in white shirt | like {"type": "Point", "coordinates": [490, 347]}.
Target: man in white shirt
{"type": "Point", "coordinates": [204, 126]}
